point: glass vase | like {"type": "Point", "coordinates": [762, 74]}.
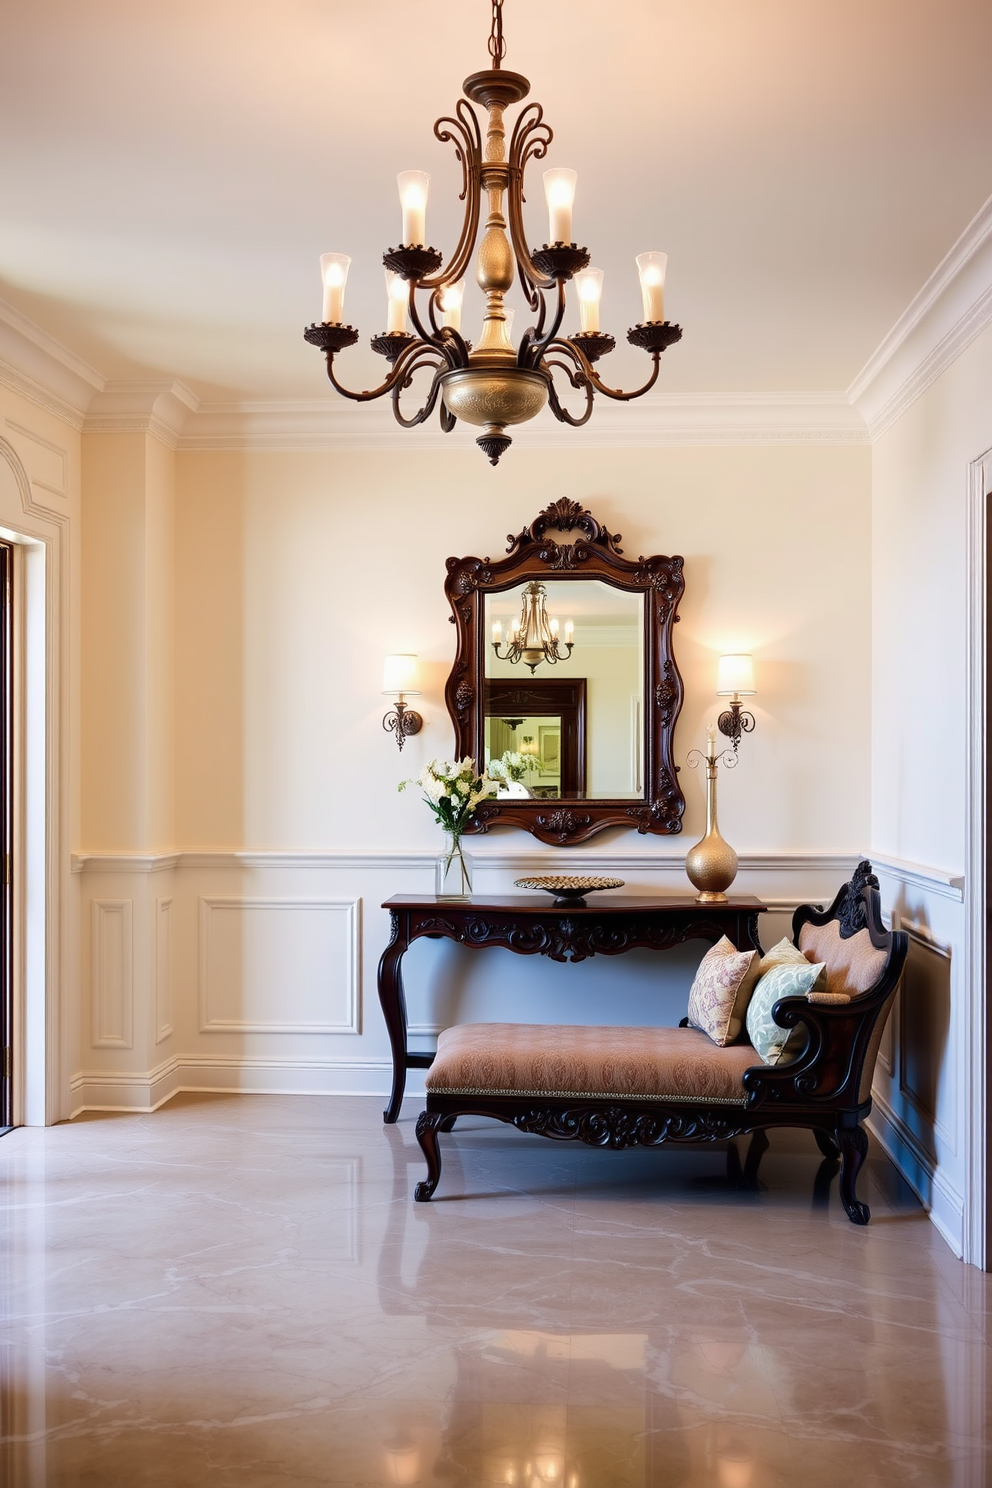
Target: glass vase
{"type": "Point", "coordinates": [454, 879]}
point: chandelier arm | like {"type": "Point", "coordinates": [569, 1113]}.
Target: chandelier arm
{"type": "Point", "coordinates": [418, 324]}
{"type": "Point", "coordinates": [533, 344]}
{"type": "Point", "coordinates": [467, 136]}
{"type": "Point", "coordinates": [529, 141]}
{"type": "Point", "coordinates": [423, 413]}
{"type": "Point", "coordinates": [577, 380]}
{"type": "Point", "coordinates": [589, 371]}
{"type": "Point", "coordinates": [399, 371]}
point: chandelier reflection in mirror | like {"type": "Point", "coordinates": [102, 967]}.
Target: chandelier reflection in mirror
{"type": "Point", "coordinates": [534, 638]}
{"type": "Point", "coordinates": [492, 385]}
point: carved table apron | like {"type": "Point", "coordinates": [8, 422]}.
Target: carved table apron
{"type": "Point", "coordinates": [534, 927]}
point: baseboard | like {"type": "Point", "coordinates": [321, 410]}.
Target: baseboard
{"type": "Point", "coordinates": [943, 1203]}
{"type": "Point", "coordinates": [145, 1091]}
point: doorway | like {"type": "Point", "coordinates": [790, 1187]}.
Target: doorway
{"type": "Point", "coordinates": [6, 814]}
{"type": "Point", "coordinates": [555, 711]}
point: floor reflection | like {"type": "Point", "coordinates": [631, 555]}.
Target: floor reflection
{"type": "Point", "coordinates": [240, 1293]}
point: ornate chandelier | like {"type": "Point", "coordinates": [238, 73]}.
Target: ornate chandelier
{"type": "Point", "coordinates": [534, 638]}
{"type": "Point", "coordinates": [492, 385]}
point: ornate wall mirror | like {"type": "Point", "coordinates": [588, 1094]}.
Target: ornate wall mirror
{"type": "Point", "coordinates": [564, 671]}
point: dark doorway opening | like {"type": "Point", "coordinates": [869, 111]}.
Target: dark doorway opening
{"type": "Point", "coordinates": [7, 1072]}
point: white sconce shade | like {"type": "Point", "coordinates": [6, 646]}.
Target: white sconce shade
{"type": "Point", "coordinates": [559, 191]}
{"type": "Point", "coordinates": [652, 268]}
{"type": "Point", "coordinates": [413, 188]}
{"type": "Point", "coordinates": [334, 276]}
{"type": "Point", "coordinates": [735, 676]}
{"type": "Point", "coordinates": [589, 285]}
{"type": "Point", "coordinates": [399, 676]}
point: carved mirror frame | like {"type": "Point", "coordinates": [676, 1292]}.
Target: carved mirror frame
{"type": "Point", "coordinates": [595, 554]}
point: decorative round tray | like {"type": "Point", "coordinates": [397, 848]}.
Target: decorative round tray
{"type": "Point", "coordinates": [569, 890]}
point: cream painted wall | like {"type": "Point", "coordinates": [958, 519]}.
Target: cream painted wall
{"type": "Point", "coordinates": [920, 644]}
{"type": "Point", "coordinates": [128, 631]}
{"type": "Point", "coordinates": [296, 572]}
{"type": "Point", "coordinates": [919, 510]}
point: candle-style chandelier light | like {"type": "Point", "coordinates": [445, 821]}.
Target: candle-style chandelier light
{"type": "Point", "coordinates": [492, 384]}
{"type": "Point", "coordinates": [535, 637]}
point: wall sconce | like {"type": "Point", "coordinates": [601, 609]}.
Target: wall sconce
{"type": "Point", "coordinates": [399, 680]}
{"type": "Point", "coordinates": [735, 679]}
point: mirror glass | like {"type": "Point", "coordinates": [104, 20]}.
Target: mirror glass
{"type": "Point", "coordinates": [567, 725]}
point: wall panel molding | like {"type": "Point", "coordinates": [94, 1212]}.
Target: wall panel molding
{"type": "Point", "coordinates": [163, 969]}
{"type": "Point", "coordinates": [484, 859]}
{"type": "Point", "coordinates": [946, 882]}
{"type": "Point", "coordinates": [302, 955]}
{"type": "Point", "coordinates": [112, 973]}
{"type": "Point", "coordinates": [147, 1090]}
{"type": "Point", "coordinates": [927, 1179]}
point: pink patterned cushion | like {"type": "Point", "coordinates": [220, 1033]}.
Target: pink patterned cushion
{"type": "Point", "coordinates": [678, 1064]}
{"type": "Point", "coordinates": [721, 991]}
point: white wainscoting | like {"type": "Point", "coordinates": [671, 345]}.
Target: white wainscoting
{"type": "Point", "coordinates": [919, 1112]}
{"type": "Point", "coordinates": [256, 971]}
{"type": "Point", "coordinates": [112, 973]}
{"type": "Point", "coordinates": [279, 966]}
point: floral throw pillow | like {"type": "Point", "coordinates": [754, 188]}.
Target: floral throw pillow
{"type": "Point", "coordinates": [783, 954]}
{"type": "Point", "coordinates": [774, 1044]}
{"type": "Point", "coordinates": [719, 995]}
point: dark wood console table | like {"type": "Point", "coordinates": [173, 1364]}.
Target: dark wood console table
{"type": "Point", "coordinates": [533, 926]}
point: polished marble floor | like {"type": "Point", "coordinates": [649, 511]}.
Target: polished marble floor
{"type": "Point", "coordinates": [239, 1291]}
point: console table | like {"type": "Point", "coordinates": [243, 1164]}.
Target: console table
{"type": "Point", "coordinates": [532, 925]}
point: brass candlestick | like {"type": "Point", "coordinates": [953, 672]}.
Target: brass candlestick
{"type": "Point", "coordinates": [711, 866]}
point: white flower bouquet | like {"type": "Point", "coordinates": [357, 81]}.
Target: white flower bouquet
{"type": "Point", "coordinates": [453, 791]}
{"type": "Point", "coordinates": [511, 766]}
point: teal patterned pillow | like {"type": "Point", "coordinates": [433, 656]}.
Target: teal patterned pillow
{"type": "Point", "coordinates": [775, 1044]}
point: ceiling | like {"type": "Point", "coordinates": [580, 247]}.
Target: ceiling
{"type": "Point", "coordinates": [172, 171]}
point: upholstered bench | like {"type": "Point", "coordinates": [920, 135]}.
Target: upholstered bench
{"type": "Point", "coordinates": [620, 1087]}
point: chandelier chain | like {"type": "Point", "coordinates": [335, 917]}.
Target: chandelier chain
{"type": "Point", "coordinates": [497, 47]}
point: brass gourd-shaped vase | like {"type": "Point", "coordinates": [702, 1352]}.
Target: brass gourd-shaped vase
{"type": "Point", "coordinates": [711, 866]}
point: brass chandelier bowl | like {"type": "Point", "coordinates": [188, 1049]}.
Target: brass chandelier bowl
{"type": "Point", "coordinates": [492, 384]}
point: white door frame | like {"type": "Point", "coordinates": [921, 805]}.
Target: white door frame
{"type": "Point", "coordinates": [974, 1067]}
{"type": "Point", "coordinates": [41, 927]}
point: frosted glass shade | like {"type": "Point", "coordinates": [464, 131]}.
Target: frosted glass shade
{"type": "Point", "coordinates": [559, 192]}
{"type": "Point", "coordinates": [735, 675]}
{"type": "Point", "coordinates": [398, 298]}
{"type": "Point", "coordinates": [589, 287]}
{"type": "Point", "coordinates": [413, 189]}
{"type": "Point", "coordinates": [334, 276]}
{"type": "Point", "coordinates": [651, 268]}
{"type": "Point", "coordinates": [399, 675]}
{"type": "Point", "coordinates": [451, 304]}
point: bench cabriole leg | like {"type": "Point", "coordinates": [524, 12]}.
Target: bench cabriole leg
{"type": "Point", "coordinates": [825, 1145]}
{"type": "Point", "coordinates": [853, 1144]}
{"type": "Point", "coordinates": [428, 1125]}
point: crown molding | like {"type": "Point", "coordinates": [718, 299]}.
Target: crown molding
{"type": "Point", "coordinates": [39, 368]}
{"type": "Point", "coordinates": [953, 307]}
{"type": "Point", "coordinates": [159, 408]}
{"type": "Point", "coordinates": [704, 418]}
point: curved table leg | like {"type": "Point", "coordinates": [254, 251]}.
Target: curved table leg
{"type": "Point", "coordinates": [393, 1004]}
